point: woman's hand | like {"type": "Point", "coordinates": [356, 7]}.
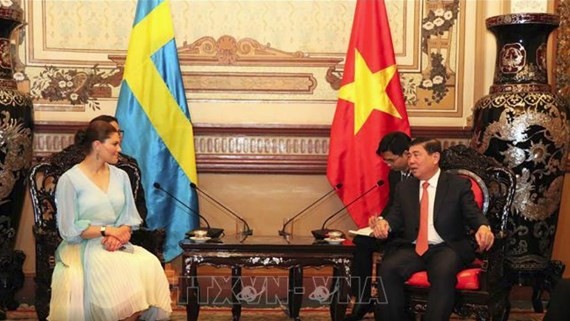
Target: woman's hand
{"type": "Point", "coordinates": [111, 243]}
{"type": "Point", "coordinates": [121, 233]}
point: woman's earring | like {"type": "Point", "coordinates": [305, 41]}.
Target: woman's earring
{"type": "Point", "coordinates": [97, 156]}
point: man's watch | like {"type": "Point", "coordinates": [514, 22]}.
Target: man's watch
{"type": "Point", "coordinates": [103, 229]}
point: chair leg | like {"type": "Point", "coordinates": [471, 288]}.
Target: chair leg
{"type": "Point", "coordinates": [537, 297]}
{"type": "Point", "coordinates": [499, 312]}
{"type": "Point", "coordinates": [507, 311]}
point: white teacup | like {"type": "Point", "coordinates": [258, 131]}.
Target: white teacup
{"type": "Point", "coordinates": [333, 235]}
{"type": "Point", "coordinates": [200, 233]}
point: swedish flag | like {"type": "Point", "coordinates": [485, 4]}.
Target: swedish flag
{"type": "Point", "coordinates": [152, 110]}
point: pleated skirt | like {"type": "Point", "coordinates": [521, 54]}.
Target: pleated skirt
{"type": "Point", "coordinates": [92, 284]}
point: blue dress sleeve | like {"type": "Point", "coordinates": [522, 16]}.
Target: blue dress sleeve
{"type": "Point", "coordinates": [69, 225]}
{"type": "Point", "coordinates": [129, 214]}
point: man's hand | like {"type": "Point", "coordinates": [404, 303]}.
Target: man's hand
{"type": "Point", "coordinates": [381, 228]}
{"type": "Point", "coordinates": [372, 221]}
{"type": "Point", "coordinates": [484, 237]}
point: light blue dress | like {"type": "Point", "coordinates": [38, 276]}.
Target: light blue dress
{"type": "Point", "coordinates": [90, 283]}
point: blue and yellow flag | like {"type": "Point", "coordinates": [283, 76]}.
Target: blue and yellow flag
{"type": "Point", "coordinates": [152, 110]}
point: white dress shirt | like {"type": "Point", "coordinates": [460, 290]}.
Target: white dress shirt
{"type": "Point", "coordinates": [433, 236]}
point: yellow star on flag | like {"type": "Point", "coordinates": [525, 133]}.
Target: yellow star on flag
{"type": "Point", "coordinates": [368, 91]}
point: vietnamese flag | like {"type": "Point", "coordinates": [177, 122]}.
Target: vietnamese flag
{"type": "Point", "coordinates": [370, 105]}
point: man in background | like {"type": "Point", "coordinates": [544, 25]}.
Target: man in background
{"type": "Point", "coordinates": [393, 149]}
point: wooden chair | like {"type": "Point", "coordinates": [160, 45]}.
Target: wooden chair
{"type": "Point", "coordinates": [42, 183]}
{"type": "Point", "coordinates": [482, 290]}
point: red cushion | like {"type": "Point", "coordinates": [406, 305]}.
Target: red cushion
{"type": "Point", "coordinates": [477, 192]}
{"type": "Point", "coordinates": [467, 279]}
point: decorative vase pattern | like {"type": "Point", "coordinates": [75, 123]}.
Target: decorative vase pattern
{"type": "Point", "coordinates": [16, 128]}
{"type": "Point", "coordinates": [522, 124]}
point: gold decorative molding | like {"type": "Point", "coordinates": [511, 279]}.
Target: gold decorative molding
{"type": "Point", "coordinates": [228, 50]}
{"type": "Point", "coordinates": [62, 89]}
{"type": "Point", "coordinates": [283, 83]}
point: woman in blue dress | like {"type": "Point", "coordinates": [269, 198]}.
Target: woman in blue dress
{"type": "Point", "coordinates": [99, 275]}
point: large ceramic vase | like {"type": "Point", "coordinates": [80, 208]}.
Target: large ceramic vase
{"type": "Point", "coordinates": [522, 124]}
{"type": "Point", "coordinates": [16, 112]}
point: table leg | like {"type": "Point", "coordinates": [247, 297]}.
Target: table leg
{"type": "Point", "coordinates": [340, 290]}
{"type": "Point", "coordinates": [236, 289]}
{"type": "Point", "coordinates": [190, 287]}
{"type": "Point", "coordinates": [295, 294]}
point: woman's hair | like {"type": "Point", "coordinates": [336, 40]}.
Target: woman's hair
{"type": "Point", "coordinates": [105, 118]}
{"type": "Point", "coordinates": [98, 130]}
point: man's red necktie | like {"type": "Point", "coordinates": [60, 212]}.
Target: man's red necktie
{"type": "Point", "coordinates": [422, 241]}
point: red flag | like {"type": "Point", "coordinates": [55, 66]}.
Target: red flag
{"type": "Point", "coordinates": [370, 105]}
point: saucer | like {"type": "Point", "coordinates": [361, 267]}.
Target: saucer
{"type": "Point", "coordinates": [200, 239]}
{"type": "Point", "coordinates": [334, 241]}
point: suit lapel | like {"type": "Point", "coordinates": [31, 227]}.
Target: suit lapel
{"type": "Point", "coordinates": [440, 195]}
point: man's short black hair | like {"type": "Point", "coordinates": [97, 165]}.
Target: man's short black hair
{"type": "Point", "coordinates": [431, 145]}
{"type": "Point", "coordinates": [395, 142]}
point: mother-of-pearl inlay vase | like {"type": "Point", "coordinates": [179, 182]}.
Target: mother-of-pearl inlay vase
{"type": "Point", "coordinates": [524, 125]}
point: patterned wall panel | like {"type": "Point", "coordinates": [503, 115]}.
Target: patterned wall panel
{"type": "Point", "coordinates": [248, 51]}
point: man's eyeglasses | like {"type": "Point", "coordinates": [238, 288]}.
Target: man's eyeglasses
{"type": "Point", "coordinates": [121, 132]}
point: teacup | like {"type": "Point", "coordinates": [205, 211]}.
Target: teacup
{"type": "Point", "coordinates": [333, 235]}
{"type": "Point", "coordinates": [200, 233]}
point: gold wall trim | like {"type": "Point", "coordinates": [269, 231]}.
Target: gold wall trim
{"type": "Point", "coordinates": [228, 50]}
{"type": "Point", "coordinates": [264, 83]}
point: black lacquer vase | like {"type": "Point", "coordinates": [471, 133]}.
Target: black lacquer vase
{"type": "Point", "coordinates": [16, 128]}
{"type": "Point", "coordinates": [524, 125]}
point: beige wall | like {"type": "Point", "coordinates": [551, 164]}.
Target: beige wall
{"type": "Point", "coordinates": [264, 200]}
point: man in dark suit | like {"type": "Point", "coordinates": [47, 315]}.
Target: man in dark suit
{"type": "Point", "coordinates": [393, 148]}
{"type": "Point", "coordinates": [558, 308]}
{"type": "Point", "coordinates": [428, 216]}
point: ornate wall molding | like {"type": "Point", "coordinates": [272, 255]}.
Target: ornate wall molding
{"type": "Point", "coordinates": [268, 51]}
{"type": "Point", "coordinates": [283, 83]}
{"type": "Point", "coordinates": [259, 149]}
{"type": "Point", "coordinates": [229, 51]}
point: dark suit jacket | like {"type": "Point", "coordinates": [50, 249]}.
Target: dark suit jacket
{"type": "Point", "coordinates": [394, 177]}
{"type": "Point", "coordinates": [454, 209]}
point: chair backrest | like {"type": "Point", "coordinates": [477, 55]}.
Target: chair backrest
{"type": "Point", "coordinates": [42, 180]}
{"type": "Point", "coordinates": [497, 183]}
{"type": "Point", "coordinates": [478, 186]}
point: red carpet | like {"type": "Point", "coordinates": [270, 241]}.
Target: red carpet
{"type": "Point", "coordinates": [274, 314]}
